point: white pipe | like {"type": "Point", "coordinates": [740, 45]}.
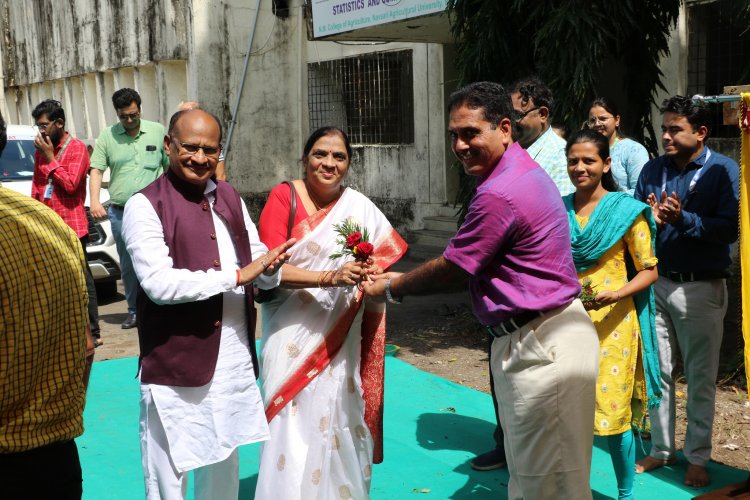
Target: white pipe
{"type": "Point", "coordinates": [4, 110]}
{"type": "Point", "coordinates": [233, 120]}
{"type": "Point", "coordinates": [301, 57]}
{"type": "Point", "coordinates": [717, 98]}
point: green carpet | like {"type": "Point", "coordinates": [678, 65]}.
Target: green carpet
{"type": "Point", "coordinates": [433, 427]}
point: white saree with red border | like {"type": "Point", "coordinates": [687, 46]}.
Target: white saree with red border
{"type": "Point", "coordinates": [322, 358]}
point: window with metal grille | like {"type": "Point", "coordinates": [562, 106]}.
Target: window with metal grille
{"type": "Point", "coordinates": [718, 52]}
{"type": "Point", "coordinates": [369, 96]}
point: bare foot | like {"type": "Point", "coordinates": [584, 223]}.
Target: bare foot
{"type": "Point", "coordinates": [696, 476]}
{"type": "Point", "coordinates": [647, 464]}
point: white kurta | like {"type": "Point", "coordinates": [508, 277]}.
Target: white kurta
{"type": "Point", "coordinates": [203, 425]}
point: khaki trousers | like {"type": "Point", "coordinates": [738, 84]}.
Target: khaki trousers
{"type": "Point", "coordinates": [545, 378]}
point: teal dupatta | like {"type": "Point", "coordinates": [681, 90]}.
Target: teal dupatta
{"type": "Point", "coordinates": [608, 223]}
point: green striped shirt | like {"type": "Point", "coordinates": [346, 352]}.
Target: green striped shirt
{"type": "Point", "coordinates": [549, 152]}
{"type": "Point", "coordinates": [134, 162]}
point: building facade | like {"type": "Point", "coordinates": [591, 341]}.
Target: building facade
{"type": "Point", "coordinates": [250, 55]}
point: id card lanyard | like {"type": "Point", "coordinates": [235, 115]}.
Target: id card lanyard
{"type": "Point", "coordinates": [696, 176]}
{"type": "Point", "coordinates": [50, 187]}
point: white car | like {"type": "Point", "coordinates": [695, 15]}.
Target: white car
{"type": "Point", "coordinates": [16, 171]}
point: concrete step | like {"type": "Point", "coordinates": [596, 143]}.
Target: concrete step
{"type": "Point", "coordinates": [429, 237]}
{"type": "Point", "coordinates": [447, 210]}
{"type": "Point", "coordinates": [441, 223]}
{"type": "Point", "coordinates": [424, 252]}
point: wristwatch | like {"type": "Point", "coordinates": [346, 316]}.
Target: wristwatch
{"type": "Point", "coordinates": [389, 296]}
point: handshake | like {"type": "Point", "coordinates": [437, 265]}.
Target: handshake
{"type": "Point", "coordinates": [378, 286]}
{"type": "Point", "coordinates": [369, 277]}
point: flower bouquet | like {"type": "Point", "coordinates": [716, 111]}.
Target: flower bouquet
{"type": "Point", "coordinates": [588, 294]}
{"type": "Point", "coordinates": [354, 241]}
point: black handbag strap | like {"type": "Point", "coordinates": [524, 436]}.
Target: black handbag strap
{"type": "Point", "coordinates": [292, 209]}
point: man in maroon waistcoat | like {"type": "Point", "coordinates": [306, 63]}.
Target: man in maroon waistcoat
{"type": "Point", "coordinates": [192, 244]}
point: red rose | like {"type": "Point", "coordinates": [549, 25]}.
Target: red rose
{"type": "Point", "coordinates": [363, 250]}
{"type": "Point", "coordinates": [353, 239]}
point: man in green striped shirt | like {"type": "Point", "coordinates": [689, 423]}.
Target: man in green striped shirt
{"type": "Point", "coordinates": [133, 150]}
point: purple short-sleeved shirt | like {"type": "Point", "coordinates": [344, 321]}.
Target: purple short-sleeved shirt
{"type": "Point", "coordinates": [515, 242]}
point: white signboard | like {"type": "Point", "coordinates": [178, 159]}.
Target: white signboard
{"type": "Point", "coordinates": [336, 16]}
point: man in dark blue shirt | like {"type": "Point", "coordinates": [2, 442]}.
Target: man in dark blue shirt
{"type": "Point", "coordinates": [693, 193]}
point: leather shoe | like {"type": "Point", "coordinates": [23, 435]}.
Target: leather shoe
{"type": "Point", "coordinates": [494, 459]}
{"type": "Point", "coordinates": [130, 322]}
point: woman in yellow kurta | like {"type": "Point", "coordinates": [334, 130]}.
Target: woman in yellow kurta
{"type": "Point", "coordinates": [613, 250]}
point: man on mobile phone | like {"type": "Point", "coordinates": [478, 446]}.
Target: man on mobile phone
{"type": "Point", "coordinates": [61, 163]}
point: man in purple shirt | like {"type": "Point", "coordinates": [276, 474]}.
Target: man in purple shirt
{"type": "Point", "coordinates": [513, 251]}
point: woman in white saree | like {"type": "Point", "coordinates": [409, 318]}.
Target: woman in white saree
{"type": "Point", "coordinates": [323, 345]}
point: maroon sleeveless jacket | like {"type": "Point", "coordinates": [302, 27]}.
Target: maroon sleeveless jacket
{"type": "Point", "coordinates": [180, 342]}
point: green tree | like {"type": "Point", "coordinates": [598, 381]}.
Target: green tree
{"type": "Point", "coordinates": [568, 43]}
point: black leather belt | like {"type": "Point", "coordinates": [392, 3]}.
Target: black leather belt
{"type": "Point", "coordinates": [119, 207]}
{"type": "Point", "coordinates": [511, 325]}
{"type": "Point", "coordinates": [694, 276]}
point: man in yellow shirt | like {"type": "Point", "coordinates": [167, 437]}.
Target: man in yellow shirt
{"type": "Point", "coordinates": [46, 349]}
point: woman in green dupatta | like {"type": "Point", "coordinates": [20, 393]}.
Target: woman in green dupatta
{"type": "Point", "coordinates": [612, 238]}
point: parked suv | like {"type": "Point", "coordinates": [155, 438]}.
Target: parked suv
{"type": "Point", "coordinates": [16, 171]}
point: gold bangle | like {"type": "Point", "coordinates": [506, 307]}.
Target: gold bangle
{"type": "Point", "coordinates": [320, 279]}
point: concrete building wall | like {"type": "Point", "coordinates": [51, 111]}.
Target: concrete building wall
{"type": "Point", "coordinates": [674, 68]}
{"type": "Point", "coordinates": [272, 124]}
{"type": "Point", "coordinates": [412, 176]}
{"type": "Point", "coordinates": [48, 40]}
{"type": "Point", "coordinates": [268, 126]}
{"type": "Point", "coordinates": [87, 100]}
{"type": "Point", "coordinates": [81, 51]}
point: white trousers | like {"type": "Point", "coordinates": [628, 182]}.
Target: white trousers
{"type": "Point", "coordinates": [163, 481]}
{"type": "Point", "coordinates": [689, 317]}
{"type": "Point", "coordinates": [545, 381]}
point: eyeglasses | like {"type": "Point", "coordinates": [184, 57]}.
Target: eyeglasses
{"type": "Point", "coordinates": [129, 116]}
{"type": "Point", "coordinates": [520, 115]}
{"type": "Point", "coordinates": [192, 149]}
{"type": "Point", "coordinates": [42, 126]}
{"type": "Point", "coordinates": [598, 119]}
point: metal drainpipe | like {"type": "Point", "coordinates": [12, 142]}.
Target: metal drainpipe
{"type": "Point", "coordinates": [3, 103]}
{"type": "Point", "coordinates": [242, 81]}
